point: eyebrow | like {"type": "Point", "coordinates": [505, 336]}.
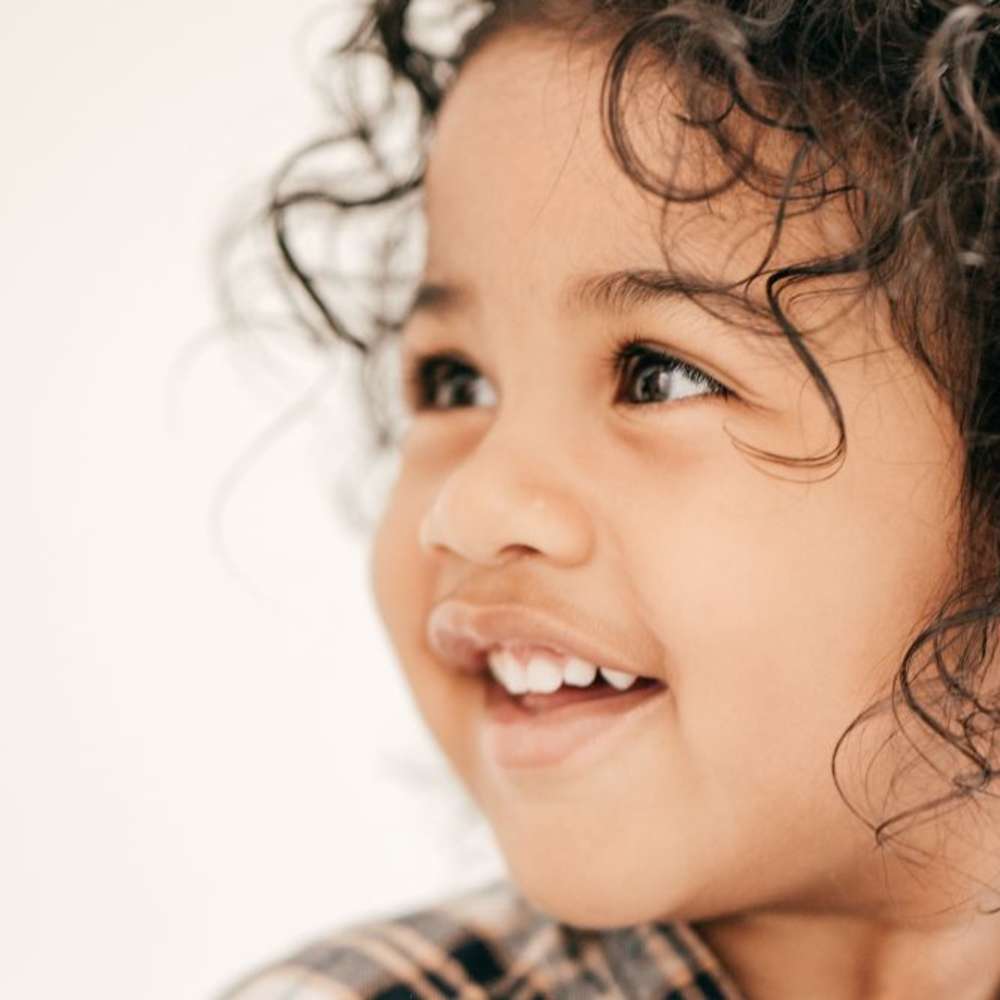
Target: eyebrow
{"type": "Point", "coordinates": [619, 292]}
{"type": "Point", "coordinates": [611, 292]}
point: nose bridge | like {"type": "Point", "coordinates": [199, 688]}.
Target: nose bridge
{"type": "Point", "coordinates": [513, 490]}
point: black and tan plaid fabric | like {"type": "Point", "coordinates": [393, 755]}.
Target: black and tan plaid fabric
{"type": "Point", "coordinates": [490, 944]}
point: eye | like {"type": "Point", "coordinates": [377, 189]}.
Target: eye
{"type": "Point", "coordinates": [658, 377]}
{"type": "Point", "coordinates": [649, 377]}
{"type": "Point", "coordinates": [444, 382]}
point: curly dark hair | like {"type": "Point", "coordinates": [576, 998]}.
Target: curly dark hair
{"type": "Point", "coordinates": [889, 108]}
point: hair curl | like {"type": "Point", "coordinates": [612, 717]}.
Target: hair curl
{"type": "Point", "coordinates": [889, 107]}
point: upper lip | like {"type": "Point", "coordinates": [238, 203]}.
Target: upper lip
{"type": "Point", "coordinates": [461, 633]}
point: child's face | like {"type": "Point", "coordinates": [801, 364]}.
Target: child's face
{"type": "Point", "coordinates": [772, 610]}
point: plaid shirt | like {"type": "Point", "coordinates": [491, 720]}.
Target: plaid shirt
{"type": "Point", "coordinates": [491, 944]}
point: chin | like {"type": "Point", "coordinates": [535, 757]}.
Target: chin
{"type": "Point", "coordinates": [593, 888]}
{"type": "Point", "coordinates": [588, 901]}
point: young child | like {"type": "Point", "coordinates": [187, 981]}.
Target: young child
{"type": "Point", "coordinates": [691, 560]}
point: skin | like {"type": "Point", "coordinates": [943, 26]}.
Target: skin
{"type": "Point", "coordinates": [774, 609]}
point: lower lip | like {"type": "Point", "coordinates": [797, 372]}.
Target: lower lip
{"type": "Point", "coordinates": [520, 737]}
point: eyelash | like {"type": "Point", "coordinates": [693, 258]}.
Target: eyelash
{"type": "Point", "coordinates": [422, 369]}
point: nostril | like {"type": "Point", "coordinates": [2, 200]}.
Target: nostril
{"type": "Point", "coordinates": [510, 552]}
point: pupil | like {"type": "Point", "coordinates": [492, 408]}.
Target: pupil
{"type": "Point", "coordinates": [657, 380]}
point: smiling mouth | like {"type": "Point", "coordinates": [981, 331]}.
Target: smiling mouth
{"type": "Point", "coordinates": [535, 703]}
{"type": "Point", "coordinates": [533, 730]}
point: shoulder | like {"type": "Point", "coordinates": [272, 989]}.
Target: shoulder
{"type": "Point", "coordinates": [465, 946]}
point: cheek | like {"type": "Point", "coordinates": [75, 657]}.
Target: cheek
{"type": "Point", "coordinates": [400, 579]}
{"type": "Point", "coordinates": [393, 567]}
{"type": "Point", "coordinates": [784, 614]}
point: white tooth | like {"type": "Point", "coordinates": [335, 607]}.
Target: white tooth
{"type": "Point", "coordinates": [517, 677]}
{"type": "Point", "coordinates": [578, 672]}
{"type": "Point", "coordinates": [544, 676]}
{"type": "Point", "coordinates": [494, 665]}
{"type": "Point", "coordinates": [618, 678]}
{"type": "Point", "coordinates": [508, 671]}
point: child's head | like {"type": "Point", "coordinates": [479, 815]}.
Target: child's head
{"type": "Point", "coordinates": [701, 383]}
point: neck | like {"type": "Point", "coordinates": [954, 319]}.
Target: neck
{"type": "Point", "coordinates": [810, 956]}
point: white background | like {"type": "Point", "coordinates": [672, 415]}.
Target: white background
{"type": "Point", "coordinates": [201, 764]}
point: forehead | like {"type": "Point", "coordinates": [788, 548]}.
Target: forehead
{"type": "Point", "coordinates": [518, 154]}
{"type": "Point", "coordinates": [523, 192]}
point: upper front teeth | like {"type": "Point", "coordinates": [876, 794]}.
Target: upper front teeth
{"type": "Point", "coordinates": [543, 674]}
{"type": "Point", "coordinates": [578, 672]}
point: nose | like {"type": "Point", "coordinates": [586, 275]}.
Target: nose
{"type": "Point", "coordinates": [501, 500]}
